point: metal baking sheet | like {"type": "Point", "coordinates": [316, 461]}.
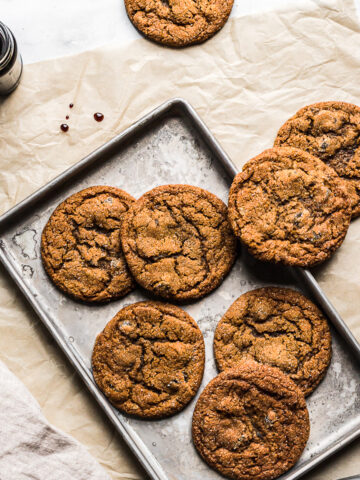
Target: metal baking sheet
{"type": "Point", "coordinates": [171, 145]}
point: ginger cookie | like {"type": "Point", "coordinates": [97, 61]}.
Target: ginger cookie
{"type": "Point", "coordinates": [81, 247]}
{"type": "Point", "coordinates": [331, 132]}
{"type": "Point", "coordinates": [178, 242]}
{"type": "Point", "coordinates": [279, 327]}
{"type": "Point", "coordinates": [178, 23]}
{"type": "Point", "coordinates": [251, 422]}
{"type": "Point", "coordinates": [289, 207]}
{"type": "Point", "coordinates": [149, 360]}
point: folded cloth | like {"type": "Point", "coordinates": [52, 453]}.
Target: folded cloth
{"type": "Point", "coordinates": [32, 449]}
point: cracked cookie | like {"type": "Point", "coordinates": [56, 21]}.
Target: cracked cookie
{"type": "Point", "coordinates": [149, 360]}
{"type": "Point", "coordinates": [289, 207]}
{"type": "Point", "coordinates": [178, 242]}
{"type": "Point", "coordinates": [178, 23]}
{"type": "Point", "coordinates": [251, 422]}
{"type": "Point", "coordinates": [81, 248]}
{"type": "Point", "coordinates": [279, 327]}
{"type": "Point", "coordinates": [331, 132]}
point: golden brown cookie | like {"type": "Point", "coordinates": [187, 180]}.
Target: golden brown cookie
{"type": "Point", "coordinates": [178, 23]}
{"type": "Point", "coordinates": [149, 360]}
{"type": "Point", "coordinates": [331, 132]}
{"type": "Point", "coordinates": [81, 248]}
{"type": "Point", "coordinates": [251, 423]}
{"type": "Point", "coordinates": [279, 327]}
{"type": "Point", "coordinates": [178, 242]}
{"type": "Point", "coordinates": [289, 207]}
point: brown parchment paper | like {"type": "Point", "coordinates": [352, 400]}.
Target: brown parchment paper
{"type": "Point", "coordinates": [245, 82]}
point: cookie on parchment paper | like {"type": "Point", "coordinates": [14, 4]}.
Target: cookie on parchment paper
{"type": "Point", "coordinates": [178, 23]}
{"type": "Point", "coordinates": [331, 132]}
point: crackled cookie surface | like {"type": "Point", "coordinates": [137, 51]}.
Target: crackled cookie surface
{"type": "Point", "coordinates": [178, 23]}
{"type": "Point", "coordinates": [278, 327]}
{"type": "Point", "coordinates": [178, 242]}
{"type": "Point", "coordinates": [81, 247]}
{"type": "Point", "coordinates": [149, 360]}
{"type": "Point", "coordinates": [288, 206]}
{"type": "Point", "coordinates": [251, 423]}
{"type": "Point", "coordinates": [331, 132]}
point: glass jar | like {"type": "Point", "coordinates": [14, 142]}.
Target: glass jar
{"type": "Point", "coordinates": [10, 61]}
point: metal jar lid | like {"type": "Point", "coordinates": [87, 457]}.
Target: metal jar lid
{"type": "Point", "coordinates": [10, 61]}
{"type": "Point", "coordinates": [7, 46]}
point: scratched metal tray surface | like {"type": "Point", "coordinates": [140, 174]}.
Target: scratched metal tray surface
{"type": "Point", "coordinates": [171, 145]}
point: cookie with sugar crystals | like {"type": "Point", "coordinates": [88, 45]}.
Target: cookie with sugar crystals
{"type": "Point", "coordinates": [178, 242]}
{"type": "Point", "coordinates": [81, 248]}
{"type": "Point", "coordinates": [149, 360]}
{"type": "Point", "coordinates": [278, 327]}
{"type": "Point", "coordinates": [289, 207]}
{"type": "Point", "coordinates": [178, 24]}
{"type": "Point", "coordinates": [251, 422]}
{"type": "Point", "coordinates": [331, 132]}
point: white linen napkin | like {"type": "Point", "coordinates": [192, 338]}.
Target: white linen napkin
{"type": "Point", "coordinates": [31, 448]}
